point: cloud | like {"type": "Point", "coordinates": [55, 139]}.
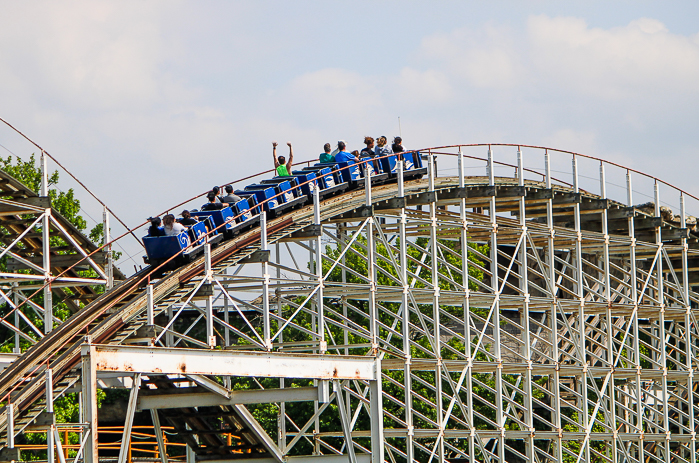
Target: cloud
{"type": "Point", "coordinates": [573, 140]}
{"type": "Point", "coordinates": [88, 56]}
{"type": "Point", "coordinates": [423, 87]}
{"type": "Point", "coordinates": [484, 57]}
{"type": "Point", "coordinates": [616, 63]}
{"type": "Point", "coordinates": [336, 91]}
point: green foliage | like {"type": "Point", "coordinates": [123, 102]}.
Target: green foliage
{"type": "Point", "coordinates": [29, 173]}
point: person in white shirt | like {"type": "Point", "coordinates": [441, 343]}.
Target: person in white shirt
{"type": "Point", "coordinates": [172, 228]}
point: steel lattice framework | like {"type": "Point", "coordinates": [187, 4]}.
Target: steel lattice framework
{"type": "Point", "coordinates": [481, 318]}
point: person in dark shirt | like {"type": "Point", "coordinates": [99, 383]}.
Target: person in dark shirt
{"type": "Point", "coordinates": [230, 198]}
{"type": "Point", "coordinates": [398, 147]}
{"type": "Point", "coordinates": [368, 152]}
{"type": "Point", "coordinates": [187, 220]}
{"type": "Point", "coordinates": [212, 205]}
{"type": "Point", "coordinates": [155, 229]}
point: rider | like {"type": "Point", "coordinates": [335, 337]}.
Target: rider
{"type": "Point", "coordinates": [282, 167]}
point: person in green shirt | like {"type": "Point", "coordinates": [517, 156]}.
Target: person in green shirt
{"type": "Point", "coordinates": [326, 156]}
{"type": "Point", "coordinates": [282, 167]}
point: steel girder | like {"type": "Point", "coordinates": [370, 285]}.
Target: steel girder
{"type": "Point", "coordinates": [510, 318]}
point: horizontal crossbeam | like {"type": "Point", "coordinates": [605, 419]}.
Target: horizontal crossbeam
{"type": "Point", "coordinates": [188, 398]}
{"type": "Point", "coordinates": [164, 360]}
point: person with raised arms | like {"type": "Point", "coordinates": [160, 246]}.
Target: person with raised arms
{"type": "Point", "coordinates": [281, 165]}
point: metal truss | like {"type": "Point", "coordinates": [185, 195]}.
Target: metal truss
{"type": "Point", "coordinates": [449, 319]}
{"type": "Point", "coordinates": [45, 254]}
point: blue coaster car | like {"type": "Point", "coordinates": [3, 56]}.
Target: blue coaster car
{"type": "Point", "coordinates": [286, 191]}
{"type": "Point", "coordinates": [280, 197]}
{"type": "Point", "coordinates": [251, 200]}
{"type": "Point", "coordinates": [223, 222]}
{"type": "Point", "coordinates": [197, 232]}
{"type": "Point", "coordinates": [372, 167]}
{"type": "Point", "coordinates": [244, 212]}
{"type": "Point", "coordinates": [282, 181]}
{"type": "Point", "coordinates": [329, 178]}
{"type": "Point", "coordinates": [161, 248]}
{"type": "Point", "coordinates": [306, 181]}
{"type": "Point", "coordinates": [350, 172]}
{"type": "Point", "coordinates": [413, 165]}
{"type": "Point", "coordinates": [388, 165]}
{"type": "Point", "coordinates": [265, 196]}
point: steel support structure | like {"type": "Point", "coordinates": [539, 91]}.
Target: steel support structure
{"type": "Point", "coordinates": [465, 318]}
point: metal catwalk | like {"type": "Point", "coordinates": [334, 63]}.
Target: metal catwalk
{"type": "Point", "coordinates": [488, 318]}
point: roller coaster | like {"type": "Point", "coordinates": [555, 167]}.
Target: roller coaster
{"type": "Point", "coordinates": [414, 316]}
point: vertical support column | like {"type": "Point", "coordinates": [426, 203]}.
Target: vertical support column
{"type": "Point", "coordinates": [434, 257]}
{"type": "Point", "coordinates": [281, 420]}
{"type": "Point", "coordinates": [46, 249]}
{"type": "Point", "coordinates": [376, 412]}
{"type": "Point", "coordinates": [634, 296]}
{"type": "Point", "coordinates": [466, 304]}
{"type": "Point", "coordinates": [689, 353]}
{"type": "Point", "coordinates": [10, 410]}
{"type": "Point", "coordinates": [162, 450]}
{"type": "Point", "coordinates": [169, 337]}
{"type": "Point", "coordinates": [50, 432]}
{"type": "Point", "coordinates": [661, 328]}
{"type": "Point", "coordinates": [226, 318]}
{"type": "Point", "coordinates": [89, 393]}
{"type": "Point", "coordinates": [342, 235]}
{"type": "Point", "coordinates": [405, 323]}
{"type": "Point", "coordinates": [580, 293]}
{"type": "Point", "coordinates": [128, 424]}
{"type": "Point", "coordinates": [320, 309]}
{"type": "Point", "coordinates": [150, 307]}
{"type": "Point", "coordinates": [210, 335]}
{"type": "Point", "coordinates": [266, 328]}
{"type": "Point", "coordinates": [346, 422]}
{"type": "Point", "coordinates": [495, 284]}
{"type": "Point", "coordinates": [319, 272]}
{"type": "Point", "coordinates": [342, 227]}
{"type": "Point", "coordinates": [371, 273]}
{"type": "Point", "coordinates": [15, 297]}
{"type": "Point", "coordinates": [554, 314]}
{"type": "Point", "coordinates": [190, 455]}
{"type": "Point", "coordinates": [314, 327]}
{"type": "Point", "coordinates": [109, 270]}
{"type": "Point", "coordinates": [524, 288]}
{"type": "Point", "coordinates": [610, 321]}
{"type": "Point", "coordinates": [81, 415]}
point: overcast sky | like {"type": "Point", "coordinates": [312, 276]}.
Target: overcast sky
{"type": "Point", "coordinates": [150, 103]}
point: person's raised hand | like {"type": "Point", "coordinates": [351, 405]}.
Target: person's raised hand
{"type": "Point", "coordinates": [274, 144]}
{"type": "Point", "coordinates": [288, 144]}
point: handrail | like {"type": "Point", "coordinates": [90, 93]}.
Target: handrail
{"type": "Point", "coordinates": [555, 150]}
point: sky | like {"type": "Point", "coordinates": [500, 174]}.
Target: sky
{"type": "Point", "coordinates": [150, 103]}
